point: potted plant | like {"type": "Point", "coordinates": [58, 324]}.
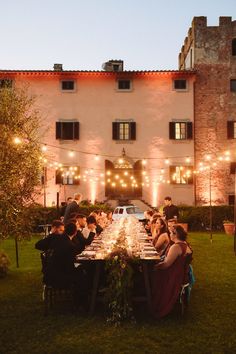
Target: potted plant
{"type": "Point", "coordinates": [229, 227]}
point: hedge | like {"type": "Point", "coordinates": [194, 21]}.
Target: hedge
{"type": "Point", "coordinates": [198, 218]}
{"type": "Point", "coordinates": [40, 215]}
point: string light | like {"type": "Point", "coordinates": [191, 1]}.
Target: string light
{"type": "Point", "coordinates": [71, 153]}
{"type": "Point", "coordinates": [188, 160]}
{"type": "Point", "coordinates": [44, 148]}
{"type": "Point", "coordinates": [17, 140]}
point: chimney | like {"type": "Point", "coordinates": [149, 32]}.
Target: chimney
{"type": "Point", "coordinates": [113, 65]}
{"type": "Point", "coordinates": [58, 67]}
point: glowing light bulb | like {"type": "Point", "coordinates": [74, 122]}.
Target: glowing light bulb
{"type": "Point", "coordinates": [96, 158]}
{"type": "Point", "coordinates": [17, 140]}
{"type": "Point", "coordinates": [44, 148]}
{"type": "Point", "coordinates": [188, 159]}
{"type": "Point", "coordinates": [71, 153]}
{"type": "Point", "coordinates": [144, 162]}
{"type": "Point", "coordinates": [167, 161]}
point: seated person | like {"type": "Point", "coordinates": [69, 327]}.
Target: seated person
{"type": "Point", "coordinates": [161, 239]}
{"type": "Point", "coordinates": [100, 226]}
{"type": "Point", "coordinates": [147, 222]}
{"type": "Point", "coordinates": [60, 253]}
{"type": "Point", "coordinates": [57, 227]}
{"type": "Point", "coordinates": [85, 232]}
{"type": "Point", "coordinates": [170, 274]}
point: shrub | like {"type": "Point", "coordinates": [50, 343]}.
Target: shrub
{"type": "Point", "coordinates": [198, 218]}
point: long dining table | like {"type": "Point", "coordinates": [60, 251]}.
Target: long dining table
{"type": "Point", "coordinates": [132, 233]}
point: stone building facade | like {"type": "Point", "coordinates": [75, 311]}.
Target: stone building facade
{"type": "Point", "coordinates": [123, 134]}
{"type": "Point", "coordinates": [211, 52]}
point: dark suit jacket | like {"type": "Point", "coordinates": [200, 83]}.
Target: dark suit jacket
{"type": "Point", "coordinates": [59, 253]}
{"type": "Point", "coordinates": [70, 209]}
{"type": "Point", "coordinates": [80, 242]}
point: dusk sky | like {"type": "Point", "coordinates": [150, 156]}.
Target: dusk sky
{"type": "Point", "coordinates": [83, 34]}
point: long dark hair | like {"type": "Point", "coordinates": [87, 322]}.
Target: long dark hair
{"type": "Point", "coordinates": [163, 228]}
{"type": "Point", "coordinates": [180, 232]}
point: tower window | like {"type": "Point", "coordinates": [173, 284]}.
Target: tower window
{"type": "Point", "coordinates": [233, 85]}
{"type": "Point", "coordinates": [234, 47]}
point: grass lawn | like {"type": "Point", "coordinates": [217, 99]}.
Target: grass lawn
{"type": "Point", "coordinates": [208, 327]}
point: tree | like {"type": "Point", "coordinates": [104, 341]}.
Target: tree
{"type": "Point", "coordinates": [20, 164]}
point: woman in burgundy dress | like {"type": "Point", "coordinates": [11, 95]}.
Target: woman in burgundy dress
{"type": "Point", "coordinates": [170, 274]}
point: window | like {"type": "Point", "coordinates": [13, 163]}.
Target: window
{"type": "Point", "coordinates": [231, 129]}
{"type": "Point", "coordinates": [68, 175]}
{"type": "Point", "coordinates": [180, 130]}
{"type": "Point", "coordinates": [180, 84]}
{"type": "Point", "coordinates": [124, 85]}
{"type": "Point", "coordinates": [5, 83]}
{"type": "Point", "coordinates": [232, 168]}
{"type": "Point", "coordinates": [231, 199]}
{"type": "Point", "coordinates": [67, 130]}
{"type": "Point", "coordinates": [181, 174]}
{"type": "Point", "coordinates": [68, 85]}
{"type": "Point", "coordinates": [233, 85]}
{"type": "Point", "coordinates": [124, 131]}
{"type": "Point", "coordinates": [234, 47]}
{"type": "Point", "coordinates": [121, 211]}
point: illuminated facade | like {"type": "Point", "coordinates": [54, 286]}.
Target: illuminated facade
{"type": "Point", "coordinates": [114, 134]}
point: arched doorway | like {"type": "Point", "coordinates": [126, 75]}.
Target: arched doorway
{"type": "Point", "coordinates": [123, 178]}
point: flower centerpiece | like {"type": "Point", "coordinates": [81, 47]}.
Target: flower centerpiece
{"type": "Point", "coordinates": [120, 280]}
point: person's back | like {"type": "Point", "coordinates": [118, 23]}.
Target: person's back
{"type": "Point", "coordinates": [71, 208]}
{"type": "Point", "coordinates": [59, 252]}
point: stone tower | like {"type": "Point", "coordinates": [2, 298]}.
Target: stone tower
{"type": "Point", "coordinates": [211, 52]}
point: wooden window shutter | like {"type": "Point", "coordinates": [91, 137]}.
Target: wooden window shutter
{"type": "Point", "coordinates": [115, 131]}
{"type": "Point", "coordinates": [171, 130]}
{"type": "Point", "coordinates": [189, 130]}
{"type": "Point", "coordinates": [58, 177]}
{"type": "Point", "coordinates": [58, 130]}
{"type": "Point", "coordinates": [232, 168]}
{"type": "Point", "coordinates": [76, 130]}
{"type": "Point", "coordinates": [230, 130]}
{"type": "Point", "coordinates": [132, 131]}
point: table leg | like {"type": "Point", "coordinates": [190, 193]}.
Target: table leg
{"type": "Point", "coordinates": [95, 288]}
{"type": "Point", "coordinates": [147, 285]}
